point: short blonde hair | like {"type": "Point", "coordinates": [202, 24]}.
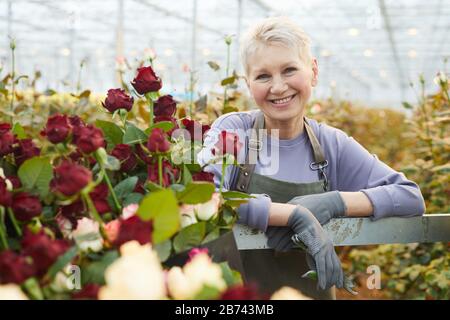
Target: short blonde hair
{"type": "Point", "coordinates": [275, 30]}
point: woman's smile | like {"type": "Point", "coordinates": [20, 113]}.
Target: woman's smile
{"type": "Point", "coordinates": [282, 102]}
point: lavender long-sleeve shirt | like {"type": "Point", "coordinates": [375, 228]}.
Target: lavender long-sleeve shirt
{"type": "Point", "coordinates": [350, 168]}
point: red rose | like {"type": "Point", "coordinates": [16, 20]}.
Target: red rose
{"type": "Point", "coordinates": [25, 150]}
{"type": "Point", "coordinates": [89, 291]}
{"type": "Point", "coordinates": [228, 143]}
{"type": "Point", "coordinates": [57, 128]}
{"type": "Point", "coordinates": [73, 212]}
{"type": "Point", "coordinates": [118, 99]}
{"type": "Point", "coordinates": [98, 196]}
{"type": "Point", "coordinates": [203, 176]}
{"type": "Point", "coordinates": [15, 181]}
{"type": "Point", "coordinates": [26, 206]}
{"type": "Point", "coordinates": [243, 292]}
{"type": "Point", "coordinates": [6, 139]}
{"type": "Point", "coordinates": [88, 138]}
{"type": "Point", "coordinates": [169, 119]}
{"type": "Point", "coordinates": [146, 81]}
{"type": "Point", "coordinates": [157, 141]}
{"type": "Point", "coordinates": [134, 228]}
{"type": "Point", "coordinates": [168, 173]}
{"type": "Point", "coordinates": [139, 188]}
{"type": "Point", "coordinates": [5, 195]}
{"type": "Point", "coordinates": [42, 249]}
{"type": "Point", "coordinates": [14, 268]}
{"type": "Point", "coordinates": [196, 129]}
{"type": "Point", "coordinates": [124, 153]}
{"type": "Point", "coordinates": [165, 106]}
{"type": "Point", "coordinates": [75, 121]}
{"type": "Point", "coordinates": [142, 154]}
{"type": "Point", "coordinates": [70, 178]}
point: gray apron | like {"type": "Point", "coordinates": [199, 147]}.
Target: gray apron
{"type": "Point", "coordinates": [270, 269]}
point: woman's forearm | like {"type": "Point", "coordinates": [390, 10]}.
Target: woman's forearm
{"type": "Point", "coordinates": [357, 203]}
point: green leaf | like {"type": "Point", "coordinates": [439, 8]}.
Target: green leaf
{"type": "Point", "coordinates": [162, 207]}
{"type": "Point", "coordinates": [230, 276]}
{"type": "Point", "coordinates": [125, 188]}
{"type": "Point", "coordinates": [189, 237]}
{"type": "Point", "coordinates": [32, 287]}
{"type": "Point", "coordinates": [62, 261]}
{"type": "Point", "coordinates": [163, 249]}
{"type": "Point", "coordinates": [236, 194]}
{"type": "Point", "coordinates": [134, 135]}
{"type": "Point", "coordinates": [19, 131]}
{"type": "Point", "coordinates": [165, 125]}
{"type": "Point", "coordinates": [208, 293]}
{"type": "Point", "coordinates": [113, 134]}
{"type": "Point", "coordinates": [213, 235]}
{"type": "Point", "coordinates": [196, 192]}
{"type": "Point", "coordinates": [36, 173]}
{"type": "Point", "coordinates": [95, 271]}
{"type": "Point", "coordinates": [132, 198]}
{"type": "Point", "coordinates": [406, 105]}
{"type": "Point", "coordinates": [187, 177]}
{"type": "Point", "coordinates": [227, 81]}
{"type": "Point", "coordinates": [213, 65]}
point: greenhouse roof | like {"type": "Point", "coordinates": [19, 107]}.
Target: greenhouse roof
{"type": "Point", "coordinates": [368, 51]}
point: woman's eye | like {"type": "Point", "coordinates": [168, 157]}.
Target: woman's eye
{"type": "Point", "coordinates": [262, 77]}
{"type": "Point", "coordinates": [290, 70]}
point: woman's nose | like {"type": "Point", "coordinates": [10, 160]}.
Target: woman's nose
{"type": "Point", "coordinates": [278, 86]}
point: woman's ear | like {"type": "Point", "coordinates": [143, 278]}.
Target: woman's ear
{"type": "Point", "coordinates": [315, 70]}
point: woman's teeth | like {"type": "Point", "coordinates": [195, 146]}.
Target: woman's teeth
{"type": "Point", "coordinates": [284, 100]}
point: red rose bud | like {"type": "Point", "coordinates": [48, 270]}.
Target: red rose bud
{"type": "Point", "coordinates": [26, 206]}
{"type": "Point", "coordinates": [15, 181]}
{"type": "Point", "coordinates": [169, 119]}
{"type": "Point", "coordinates": [73, 212]}
{"type": "Point", "coordinates": [43, 250]}
{"type": "Point", "coordinates": [165, 106]}
{"type": "Point", "coordinates": [228, 143]}
{"type": "Point", "coordinates": [6, 139]}
{"type": "Point", "coordinates": [168, 173]}
{"type": "Point", "coordinates": [118, 99]}
{"type": "Point", "coordinates": [142, 154]}
{"type": "Point", "coordinates": [89, 291]}
{"type": "Point", "coordinates": [88, 139]}
{"type": "Point", "coordinates": [70, 178]}
{"type": "Point", "coordinates": [57, 129]}
{"type": "Point", "coordinates": [196, 129]}
{"type": "Point", "coordinates": [99, 196]}
{"type": "Point", "coordinates": [127, 158]}
{"type": "Point", "coordinates": [134, 228]}
{"type": "Point", "coordinates": [25, 150]}
{"type": "Point", "coordinates": [14, 268]}
{"type": "Point", "coordinates": [157, 141]}
{"type": "Point", "coordinates": [5, 195]}
{"type": "Point", "coordinates": [146, 81]}
{"type": "Point", "coordinates": [203, 176]}
{"type": "Point", "coordinates": [75, 121]}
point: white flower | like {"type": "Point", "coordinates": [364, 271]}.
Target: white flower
{"type": "Point", "coordinates": [288, 293]}
{"type": "Point", "coordinates": [129, 210]}
{"type": "Point", "coordinates": [187, 215]}
{"type": "Point", "coordinates": [186, 283]}
{"type": "Point", "coordinates": [208, 210]}
{"type": "Point", "coordinates": [87, 235]}
{"type": "Point", "coordinates": [11, 292]}
{"type": "Point", "coordinates": [136, 275]}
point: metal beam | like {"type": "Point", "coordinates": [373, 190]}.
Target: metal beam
{"type": "Point", "coordinates": [364, 231]}
{"type": "Point", "coordinates": [397, 61]}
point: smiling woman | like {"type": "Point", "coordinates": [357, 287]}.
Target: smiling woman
{"type": "Point", "coordinates": [321, 173]}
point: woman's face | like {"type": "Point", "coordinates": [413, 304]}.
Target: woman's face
{"type": "Point", "coordinates": [281, 82]}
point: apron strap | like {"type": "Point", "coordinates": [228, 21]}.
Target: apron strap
{"type": "Point", "coordinates": [254, 145]}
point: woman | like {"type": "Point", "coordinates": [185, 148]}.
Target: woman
{"type": "Point", "coordinates": [301, 173]}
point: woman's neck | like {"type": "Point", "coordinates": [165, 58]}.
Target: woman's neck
{"type": "Point", "coordinates": [287, 129]}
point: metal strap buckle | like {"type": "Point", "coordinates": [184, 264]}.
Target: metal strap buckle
{"type": "Point", "coordinates": [252, 143]}
{"type": "Point", "coordinates": [318, 166]}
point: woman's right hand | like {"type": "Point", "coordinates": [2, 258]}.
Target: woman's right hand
{"type": "Point", "coordinates": [310, 233]}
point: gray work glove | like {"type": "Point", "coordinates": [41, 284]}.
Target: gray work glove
{"type": "Point", "coordinates": [309, 232]}
{"type": "Point", "coordinates": [324, 206]}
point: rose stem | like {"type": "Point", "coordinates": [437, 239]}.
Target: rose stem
{"type": "Point", "coordinates": [14, 222]}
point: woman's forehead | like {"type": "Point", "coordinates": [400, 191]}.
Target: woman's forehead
{"type": "Point", "coordinates": [273, 56]}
